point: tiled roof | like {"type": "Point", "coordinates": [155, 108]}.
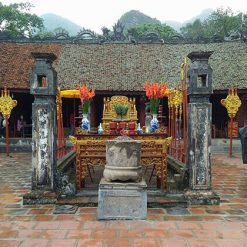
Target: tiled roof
{"type": "Point", "coordinates": [123, 67]}
{"type": "Point", "coordinates": [16, 62]}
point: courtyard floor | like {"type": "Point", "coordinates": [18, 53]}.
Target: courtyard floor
{"type": "Point", "coordinates": [222, 225]}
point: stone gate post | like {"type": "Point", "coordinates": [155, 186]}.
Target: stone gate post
{"type": "Point", "coordinates": [44, 139]}
{"type": "Point", "coordinates": [199, 130]}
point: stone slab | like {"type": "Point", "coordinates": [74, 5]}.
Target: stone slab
{"type": "Point", "coordinates": [200, 197]}
{"type": "Point", "coordinates": [65, 209]}
{"type": "Point", "coordinates": [122, 200]}
{"type": "Point", "coordinates": [39, 197]}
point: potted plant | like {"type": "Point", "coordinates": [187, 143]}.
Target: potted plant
{"type": "Point", "coordinates": [121, 110]}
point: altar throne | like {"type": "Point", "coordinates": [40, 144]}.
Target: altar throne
{"type": "Point", "coordinates": [109, 113]}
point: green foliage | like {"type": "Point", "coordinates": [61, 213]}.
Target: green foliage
{"type": "Point", "coordinates": [16, 20]}
{"type": "Point", "coordinates": [221, 22]}
{"type": "Point", "coordinates": [85, 106]}
{"type": "Point", "coordinates": [121, 109]}
{"type": "Point", "coordinates": [162, 29]}
{"type": "Point", "coordinates": [154, 104]}
{"type": "Point", "coordinates": [193, 30]}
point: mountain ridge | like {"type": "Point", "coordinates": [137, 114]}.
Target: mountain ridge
{"type": "Point", "coordinates": [53, 21]}
{"type": "Point", "coordinates": [205, 13]}
{"type": "Point", "coordinates": [129, 19]}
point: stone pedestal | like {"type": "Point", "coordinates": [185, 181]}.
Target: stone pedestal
{"type": "Point", "coordinates": [122, 191]}
{"type": "Point", "coordinates": [122, 200]}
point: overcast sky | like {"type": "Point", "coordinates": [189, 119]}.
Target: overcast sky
{"type": "Point", "coordinates": [95, 14]}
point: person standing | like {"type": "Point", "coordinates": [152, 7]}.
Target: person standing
{"type": "Point", "coordinates": [20, 125]}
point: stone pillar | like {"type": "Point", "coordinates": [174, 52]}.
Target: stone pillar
{"type": "Point", "coordinates": [199, 130]}
{"type": "Point", "coordinates": [44, 133]}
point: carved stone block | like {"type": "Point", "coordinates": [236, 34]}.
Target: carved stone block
{"type": "Point", "coordinates": [122, 200]}
{"type": "Point", "coordinates": [123, 156]}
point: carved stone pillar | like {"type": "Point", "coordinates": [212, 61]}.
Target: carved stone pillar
{"type": "Point", "coordinates": [199, 130]}
{"type": "Point", "coordinates": [44, 137]}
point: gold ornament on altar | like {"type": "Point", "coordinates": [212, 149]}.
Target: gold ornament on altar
{"type": "Point", "coordinates": [232, 102]}
{"type": "Point", "coordinates": [73, 139]}
{"type": "Point", "coordinates": [183, 70]}
{"type": "Point", "coordinates": [175, 99]}
{"type": "Point", "coordinates": [170, 95]}
{"type": "Point", "coordinates": [6, 103]}
{"type": "Point", "coordinates": [178, 101]}
{"type": "Point", "coordinates": [59, 101]}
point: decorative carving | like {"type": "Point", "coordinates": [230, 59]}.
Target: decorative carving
{"type": "Point", "coordinates": [73, 140]}
{"type": "Point", "coordinates": [62, 36]}
{"type": "Point", "coordinates": [150, 36]}
{"type": "Point", "coordinates": [178, 101]}
{"type": "Point", "coordinates": [109, 113]}
{"type": "Point", "coordinates": [86, 36]}
{"type": "Point", "coordinates": [232, 102]}
{"type": "Point", "coordinates": [6, 103]}
{"type": "Point", "coordinates": [118, 30]}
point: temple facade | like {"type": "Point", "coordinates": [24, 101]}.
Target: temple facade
{"type": "Point", "coordinates": [120, 68]}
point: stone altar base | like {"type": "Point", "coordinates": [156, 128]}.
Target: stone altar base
{"type": "Point", "coordinates": [39, 197]}
{"type": "Point", "coordinates": [199, 197]}
{"type": "Point", "coordinates": [118, 200]}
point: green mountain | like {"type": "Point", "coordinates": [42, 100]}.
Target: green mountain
{"type": "Point", "coordinates": [52, 21]}
{"type": "Point", "coordinates": [134, 18]}
{"type": "Point", "coordinates": [202, 16]}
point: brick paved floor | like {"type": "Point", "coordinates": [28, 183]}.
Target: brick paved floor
{"type": "Point", "coordinates": [223, 225]}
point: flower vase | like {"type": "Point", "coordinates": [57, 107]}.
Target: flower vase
{"type": "Point", "coordinates": [148, 119]}
{"type": "Point", "coordinates": [154, 124]}
{"type": "Point", "coordinates": [85, 123]}
{"type": "Point", "coordinates": [100, 129]}
{"type": "Point", "coordinates": [139, 129]}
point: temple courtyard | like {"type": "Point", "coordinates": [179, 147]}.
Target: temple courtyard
{"type": "Point", "coordinates": [37, 225]}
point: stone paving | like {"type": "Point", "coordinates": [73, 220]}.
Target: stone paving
{"type": "Point", "coordinates": [222, 225]}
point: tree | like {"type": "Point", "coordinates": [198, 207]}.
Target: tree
{"type": "Point", "coordinates": [163, 30]}
{"type": "Point", "coordinates": [221, 22]}
{"type": "Point", "coordinates": [194, 30]}
{"type": "Point", "coordinates": [16, 20]}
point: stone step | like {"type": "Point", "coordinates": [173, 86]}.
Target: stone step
{"type": "Point", "coordinates": [156, 199]}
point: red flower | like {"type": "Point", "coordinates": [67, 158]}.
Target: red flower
{"type": "Point", "coordinates": [85, 93]}
{"type": "Point", "coordinates": [155, 90]}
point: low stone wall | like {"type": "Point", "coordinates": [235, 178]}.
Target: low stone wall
{"type": "Point", "coordinates": [177, 175]}
{"type": "Point", "coordinates": [21, 145]}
